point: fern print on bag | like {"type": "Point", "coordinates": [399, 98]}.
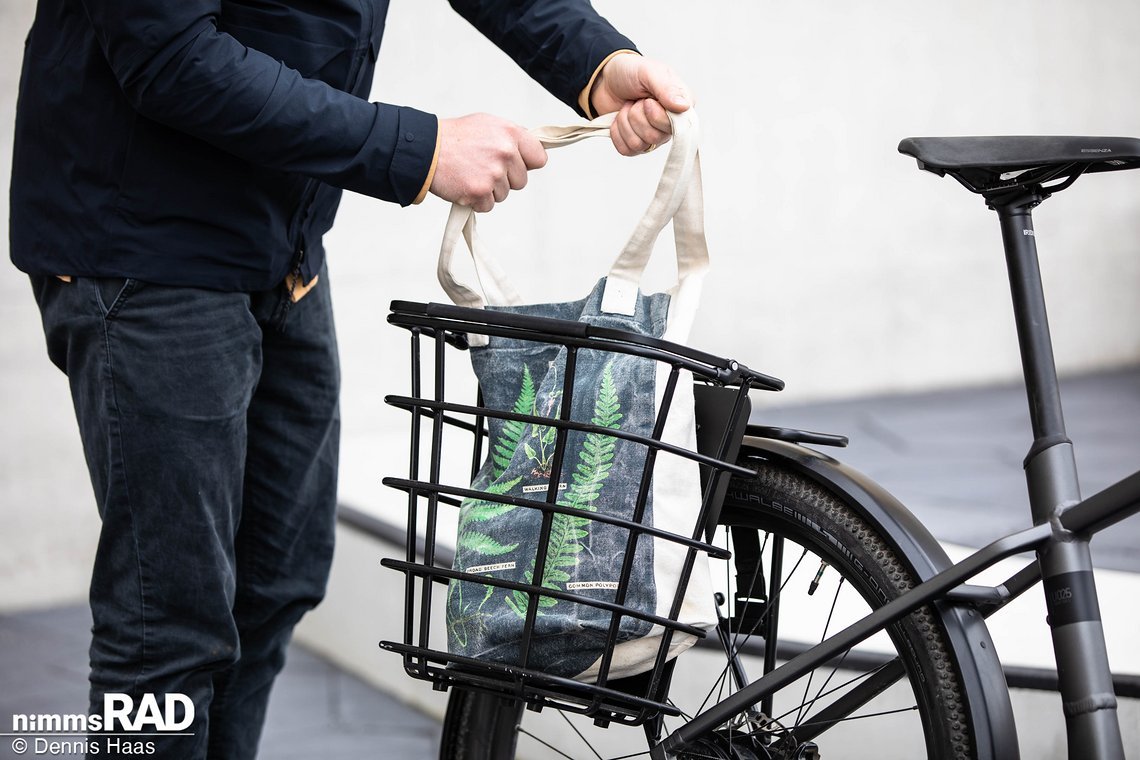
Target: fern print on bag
{"type": "Point", "coordinates": [584, 557]}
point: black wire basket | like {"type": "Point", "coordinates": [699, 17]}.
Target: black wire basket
{"type": "Point", "coordinates": [441, 427]}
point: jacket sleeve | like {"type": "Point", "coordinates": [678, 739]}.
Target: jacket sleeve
{"type": "Point", "coordinates": [177, 68]}
{"type": "Point", "coordinates": [560, 43]}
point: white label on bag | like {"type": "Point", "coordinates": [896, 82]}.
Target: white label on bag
{"type": "Point", "coordinates": [619, 296]}
{"type": "Point", "coordinates": [592, 586]}
{"type": "Point", "coordinates": [540, 489]}
{"type": "Point", "coordinates": [491, 568]}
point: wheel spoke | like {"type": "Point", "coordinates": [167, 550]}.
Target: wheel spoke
{"type": "Point", "coordinates": [805, 705]}
{"type": "Point", "coordinates": [879, 714]}
{"type": "Point", "coordinates": [730, 647]}
{"type": "Point", "coordinates": [684, 714]}
{"type": "Point", "coordinates": [736, 644]}
{"type": "Point", "coordinates": [718, 687]}
{"type": "Point", "coordinates": [773, 599]}
{"type": "Point", "coordinates": [580, 736]}
{"type": "Point", "coordinates": [875, 682]}
{"type": "Point", "coordinates": [861, 677]}
{"type": "Point", "coordinates": [544, 743]}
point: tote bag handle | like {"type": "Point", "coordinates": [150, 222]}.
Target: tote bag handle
{"type": "Point", "coordinates": [678, 198]}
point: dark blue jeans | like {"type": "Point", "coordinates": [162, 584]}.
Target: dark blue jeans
{"type": "Point", "coordinates": [211, 435]}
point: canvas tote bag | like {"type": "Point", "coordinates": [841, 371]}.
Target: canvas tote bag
{"type": "Point", "coordinates": [600, 473]}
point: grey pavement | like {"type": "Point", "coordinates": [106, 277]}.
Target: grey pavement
{"type": "Point", "coordinates": [316, 710]}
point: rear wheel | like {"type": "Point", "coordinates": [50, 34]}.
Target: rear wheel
{"type": "Point", "coordinates": [821, 567]}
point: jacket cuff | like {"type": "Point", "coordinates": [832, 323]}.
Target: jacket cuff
{"type": "Point", "coordinates": [431, 171]}
{"type": "Point", "coordinates": [413, 154]}
{"type": "Point", "coordinates": [584, 96]}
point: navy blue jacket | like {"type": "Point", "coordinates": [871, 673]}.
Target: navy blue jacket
{"type": "Point", "coordinates": [206, 142]}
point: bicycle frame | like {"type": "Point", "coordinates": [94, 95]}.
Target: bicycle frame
{"type": "Point", "coordinates": [1063, 524]}
{"type": "Point", "coordinates": [1051, 473]}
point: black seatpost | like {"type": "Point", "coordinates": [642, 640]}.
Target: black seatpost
{"type": "Point", "coordinates": [1016, 216]}
{"type": "Point", "coordinates": [1050, 467]}
{"type": "Point", "coordinates": [1074, 619]}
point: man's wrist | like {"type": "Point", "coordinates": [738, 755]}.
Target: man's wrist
{"type": "Point", "coordinates": [585, 98]}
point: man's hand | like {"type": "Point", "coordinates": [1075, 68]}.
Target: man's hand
{"type": "Point", "coordinates": [640, 90]}
{"type": "Point", "coordinates": [482, 158]}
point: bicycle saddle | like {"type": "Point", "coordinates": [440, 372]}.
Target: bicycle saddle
{"type": "Point", "coordinates": [989, 164]}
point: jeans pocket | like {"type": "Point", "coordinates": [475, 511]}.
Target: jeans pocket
{"type": "Point", "coordinates": [112, 293]}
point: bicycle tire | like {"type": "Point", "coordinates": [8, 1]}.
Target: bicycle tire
{"type": "Point", "coordinates": [779, 503]}
{"type": "Point", "coordinates": [479, 725]}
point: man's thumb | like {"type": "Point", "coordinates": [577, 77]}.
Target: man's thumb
{"type": "Point", "coordinates": [667, 89]}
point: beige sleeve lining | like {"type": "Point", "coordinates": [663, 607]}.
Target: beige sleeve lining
{"type": "Point", "coordinates": [431, 172]}
{"type": "Point", "coordinates": [584, 96]}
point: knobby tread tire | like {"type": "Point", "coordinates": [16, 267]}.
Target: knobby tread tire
{"type": "Point", "coordinates": [794, 491]}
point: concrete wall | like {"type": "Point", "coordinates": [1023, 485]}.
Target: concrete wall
{"type": "Point", "coordinates": [837, 265]}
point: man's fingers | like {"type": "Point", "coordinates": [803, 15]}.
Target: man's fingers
{"type": "Point", "coordinates": [482, 158]}
{"type": "Point", "coordinates": [650, 122]}
{"type": "Point", "coordinates": [650, 115]}
{"type": "Point", "coordinates": [633, 132]}
{"type": "Point", "coordinates": [620, 135]}
{"type": "Point", "coordinates": [501, 189]}
{"type": "Point", "coordinates": [642, 91]}
{"type": "Point", "coordinates": [634, 142]}
{"type": "Point", "coordinates": [528, 154]}
{"type": "Point", "coordinates": [516, 174]}
{"type": "Point", "coordinates": [531, 151]}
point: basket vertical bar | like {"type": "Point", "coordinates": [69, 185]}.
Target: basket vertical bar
{"type": "Point", "coordinates": [413, 494]}
{"type": "Point", "coordinates": [699, 530]}
{"type": "Point", "coordinates": [433, 478]}
{"type": "Point", "coordinates": [477, 448]}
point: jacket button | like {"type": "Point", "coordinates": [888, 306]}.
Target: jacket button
{"type": "Point", "coordinates": [409, 137]}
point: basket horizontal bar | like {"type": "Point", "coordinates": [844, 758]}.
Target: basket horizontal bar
{"type": "Point", "coordinates": [414, 568]}
{"type": "Point", "coordinates": [564, 332]}
{"type": "Point", "coordinates": [470, 427]}
{"type": "Point", "coordinates": [411, 403]}
{"type": "Point", "coordinates": [711, 370]}
{"type": "Point", "coordinates": [402, 484]}
{"type": "Point", "coordinates": [567, 328]}
{"type": "Point", "coordinates": [556, 685]}
{"type": "Point", "coordinates": [539, 695]}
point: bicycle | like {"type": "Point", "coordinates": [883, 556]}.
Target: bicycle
{"type": "Point", "coordinates": [798, 538]}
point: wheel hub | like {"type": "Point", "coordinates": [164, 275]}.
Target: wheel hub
{"type": "Point", "coordinates": [735, 745]}
{"type": "Point", "coordinates": [721, 747]}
